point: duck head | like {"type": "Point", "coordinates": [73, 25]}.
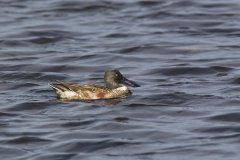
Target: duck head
{"type": "Point", "coordinates": [113, 79]}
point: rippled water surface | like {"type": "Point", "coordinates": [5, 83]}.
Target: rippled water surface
{"type": "Point", "coordinates": [183, 53]}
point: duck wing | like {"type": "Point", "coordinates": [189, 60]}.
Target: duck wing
{"type": "Point", "coordinates": [63, 86]}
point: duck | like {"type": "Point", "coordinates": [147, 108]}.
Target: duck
{"type": "Point", "coordinates": [115, 86]}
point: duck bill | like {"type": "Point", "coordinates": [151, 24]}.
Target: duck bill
{"type": "Point", "coordinates": [130, 83]}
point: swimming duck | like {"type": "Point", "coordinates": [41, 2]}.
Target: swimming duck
{"type": "Point", "coordinates": [115, 87]}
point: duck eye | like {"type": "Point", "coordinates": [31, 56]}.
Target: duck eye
{"type": "Point", "coordinates": [94, 90]}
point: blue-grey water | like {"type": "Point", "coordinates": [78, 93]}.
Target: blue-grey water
{"type": "Point", "coordinates": [185, 54]}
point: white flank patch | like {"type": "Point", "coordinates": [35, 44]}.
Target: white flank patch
{"type": "Point", "coordinates": [68, 94]}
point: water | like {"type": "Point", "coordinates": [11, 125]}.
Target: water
{"type": "Point", "coordinates": [183, 53]}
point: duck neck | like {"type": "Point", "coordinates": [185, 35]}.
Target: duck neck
{"type": "Point", "coordinates": [112, 85]}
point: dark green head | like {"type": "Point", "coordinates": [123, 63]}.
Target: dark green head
{"type": "Point", "coordinates": [114, 78]}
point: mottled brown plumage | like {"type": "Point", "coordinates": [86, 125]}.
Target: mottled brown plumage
{"type": "Point", "coordinates": [113, 88]}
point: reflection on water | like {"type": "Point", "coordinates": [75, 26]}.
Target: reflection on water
{"type": "Point", "coordinates": [105, 102]}
{"type": "Point", "coordinates": [183, 53]}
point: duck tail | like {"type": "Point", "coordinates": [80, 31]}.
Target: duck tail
{"type": "Point", "coordinates": [60, 86]}
{"type": "Point", "coordinates": [54, 86]}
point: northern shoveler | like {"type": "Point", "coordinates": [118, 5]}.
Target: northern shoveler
{"type": "Point", "coordinates": [114, 88]}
